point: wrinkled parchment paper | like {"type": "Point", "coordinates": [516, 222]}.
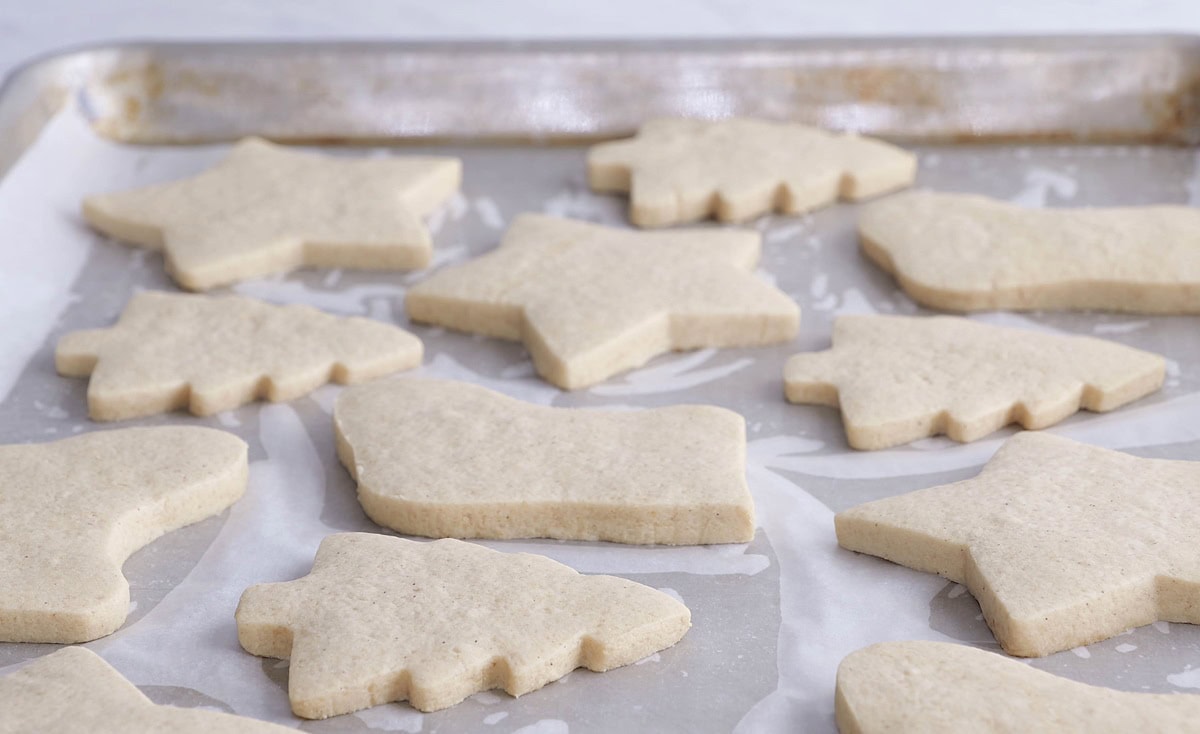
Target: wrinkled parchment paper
{"type": "Point", "coordinates": [772, 619]}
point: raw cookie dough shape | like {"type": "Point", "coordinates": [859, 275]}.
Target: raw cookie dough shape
{"type": "Point", "coordinates": [453, 460]}
{"type": "Point", "coordinates": [384, 619]}
{"type": "Point", "coordinates": [591, 301]}
{"type": "Point", "coordinates": [942, 688]}
{"type": "Point", "coordinates": [209, 354]}
{"type": "Point", "coordinates": [72, 511]}
{"type": "Point", "coordinates": [897, 379]}
{"type": "Point", "coordinates": [267, 209]}
{"type": "Point", "coordinates": [681, 170]}
{"type": "Point", "coordinates": [960, 252]}
{"type": "Point", "coordinates": [1062, 544]}
{"type": "Point", "coordinates": [73, 691]}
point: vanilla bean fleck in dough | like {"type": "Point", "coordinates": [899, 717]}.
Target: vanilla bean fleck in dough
{"type": "Point", "coordinates": [453, 460]}
{"type": "Point", "coordinates": [942, 688]}
{"type": "Point", "coordinates": [682, 170]}
{"type": "Point", "coordinates": [898, 378]}
{"type": "Point", "coordinates": [591, 301]}
{"type": "Point", "coordinates": [72, 511]}
{"type": "Point", "coordinates": [961, 252]}
{"type": "Point", "coordinates": [1062, 544]}
{"type": "Point", "coordinates": [382, 619]}
{"type": "Point", "coordinates": [73, 691]}
{"type": "Point", "coordinates": [209, 354]}
{"type": "Point", "coordinates": [268, 209]}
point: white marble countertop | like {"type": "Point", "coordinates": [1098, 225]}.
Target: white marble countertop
{"type": "Point", "coordinates": [28, 30]}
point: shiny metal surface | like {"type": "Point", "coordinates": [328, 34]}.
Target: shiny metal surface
{"type": "Point", "coordinates": [1128, 89]}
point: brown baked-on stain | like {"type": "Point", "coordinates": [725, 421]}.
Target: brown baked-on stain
{"type": "Point", "coordinates": [1177, 113]}
{"type": "Point", "coordinates": [884, 84]}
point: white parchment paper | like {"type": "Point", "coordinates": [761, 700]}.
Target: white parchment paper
{"type": "Point", "coordinates": [772, 618]}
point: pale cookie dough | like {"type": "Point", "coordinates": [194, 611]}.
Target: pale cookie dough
{"type": "Point", "coordinates": [898, 378]}
{"type": "Point", "coordinates": [453, 460]}
{"type": "Point", "coordinates": [961, 252]}
{"type": "Point", "coordinates": [592, 301]}
{"type": "Point", "coordinates": [1061, 543]}
{"type": "Point", "coordinates": [268, 209]}
{"type": "Point", "coordinates": [680, 170]}
{"type": "Point", "coordinates": [384, 619]}
{"type": "Point", "coordinates": [942, 688]}
{"type": "Point", "coordinates": [209, 354]}
{"type": "Point", "coordinates": [72, 511]}
{"type": "Point", "coordinates": [73, 691]}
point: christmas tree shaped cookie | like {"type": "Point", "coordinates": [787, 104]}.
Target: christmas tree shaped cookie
{"type": "Point", "coordinates": [940, 688]}
{"type": "Point", "coordinates": [269, 209]}
{"type": "Point", "coordinates": [384, 619]}
{"type": "Point", "coordinates": [897, 378]}
{"type": "Point", "coordinates": [1062, 544]}
{"type": "Point", "coordinates": [591, 301]}
{"type": "Point", "coordinates": [962, 252]}
{"type": "Point", "coordinates": [209, 354]}
{"type": "Point", "coordinates": [73, 691]}
{"type": "Point", "coordinates": [72, 511]}
{"type": "Point", "coordinates": [680, 170]}
{"type": "Point", "coordinates": [672, 475]}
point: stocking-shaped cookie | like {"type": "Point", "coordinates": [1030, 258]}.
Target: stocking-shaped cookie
{"type": "Point", "coordinates": [591, 301]}
{"type": "Point", "coordinates": [209, 354]}
{"type": "Point", "coordinates": [672, 475]}
{"type": "Point", "coordinates": [1061, 543]}
{"type": "Point", "coordinates": [898, 378]}
{"type": "Point", "coordinates": [384, 619]}
{"type": "Point", "coordinates": [940, 688]}
{"type": "Point", "coordinates": [680, 170]}
{"type": "Point", "coordinates": [72, 511]}
{"type": "Point", "coordinates": [268, 209]}
{"type": "Point", "coordinates": [961, 252]}
{"type": "Point", "coordinates": [73, 691]}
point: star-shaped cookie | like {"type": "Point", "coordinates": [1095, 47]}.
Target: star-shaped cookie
{"type": "Point", "coordinates": [898, 378]}
{"type": "Point", "coordinates": [681, 170]}
{"type": "Point", "coordinates": [73, 691]}
{"type": "Point", "coordinates": [268, 209]}
{"type": "Point", "coordinates": [591, 301]}
{"type": "Point", "coordinates": [1061, 543]}
{"type": "Point", "coordinates": [961, 252]}
{"type": "Point", "coordinates": [72, 511]}
{"type": "Point", "coordinates": [941, 688]}
{"type": "Point", "coordinates": [210, 354]}
{"type": "Point", "coordinates": [673, 476]}
{"type": "Point", "coordinates": [384, 619]}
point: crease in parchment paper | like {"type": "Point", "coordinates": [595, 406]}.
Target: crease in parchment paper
{"type": "Point", "coordinates": [831, 602]}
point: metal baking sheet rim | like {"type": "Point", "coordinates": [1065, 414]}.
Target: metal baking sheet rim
{"type": "Point", "coordinates": [1127, 89]}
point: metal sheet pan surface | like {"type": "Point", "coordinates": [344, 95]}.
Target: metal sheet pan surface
{"type": "Point", "coordinates": [772, 618]}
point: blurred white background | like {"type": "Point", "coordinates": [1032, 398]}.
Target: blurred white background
{"type": "Point", "coordinates": [29, 28]}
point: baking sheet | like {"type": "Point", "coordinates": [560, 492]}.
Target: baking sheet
{"type": "Point", "coordinates": [772, 618]}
